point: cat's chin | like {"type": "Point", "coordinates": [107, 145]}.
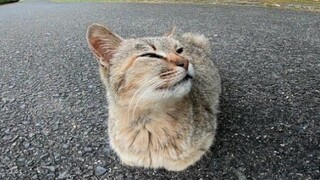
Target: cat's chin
{"type": "Point", "coordinates": [180, 90]}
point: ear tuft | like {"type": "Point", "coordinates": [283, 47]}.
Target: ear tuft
{"type": "Point", "coordinates": [171, 32]}
{"type": "Point", "coordinates": [103, 43]}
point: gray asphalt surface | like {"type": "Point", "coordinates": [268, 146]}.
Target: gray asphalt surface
{"type": "Point", "coordinates": [53, 107]}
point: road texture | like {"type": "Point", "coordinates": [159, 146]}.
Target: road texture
{"type": "Point", "coordinates": [53, 109]}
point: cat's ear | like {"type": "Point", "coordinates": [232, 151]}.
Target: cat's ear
{"type": "Point", "coordinates": [171, 32]}
{"type": "Point", "coordinates": [103, 43]}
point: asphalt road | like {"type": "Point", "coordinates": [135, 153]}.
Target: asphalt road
{"type": "Point", "coordinates": [53, 107]}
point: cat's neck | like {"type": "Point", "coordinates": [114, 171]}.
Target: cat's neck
{"type": "Point", "coordinates": [132, 112]}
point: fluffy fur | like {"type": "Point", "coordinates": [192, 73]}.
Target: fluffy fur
{"type": "Point", "coordinates": [163, 94]}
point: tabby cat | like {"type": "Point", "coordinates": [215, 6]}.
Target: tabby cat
{"type": "Point", "coordinates": [163, 95]}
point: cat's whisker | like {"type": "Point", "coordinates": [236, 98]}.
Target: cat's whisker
{"type": "Point", "coordinates": [127, 92]}
{"type": "Point", "coordinates": [168, 73]}
{"type": "Point", "coordinates": [142, 87]}
{"type": "Point", "coordinates": [168, 80]}
{"type": "Point", "coordinates": [164, 91]}
{"type": "Point", "coordinates": [143, 92]}
{"type": "Point", "coordinates": [176, 89]}
{"type": "Point", "coordinates": [137, 103]}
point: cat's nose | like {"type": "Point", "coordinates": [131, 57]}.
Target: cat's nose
{"type": "Point", "coordinates": [183, 63]}
{"type": "Point", "coordinates": [178, 60]}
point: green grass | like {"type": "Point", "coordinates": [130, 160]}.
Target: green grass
{"type": "Point", "coordinates": [309, 5]}
{"type": "Point", "coordinates": [202, 1]}
{"type": "Point", "coordinates": [142, 1]}
{"type": "Point", "coordinates": [291, 1]}
{"type": "Point", "coordinates": [7, 1]}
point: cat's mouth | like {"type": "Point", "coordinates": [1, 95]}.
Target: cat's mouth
{"type": "Point", "coordinates": [185, 79]}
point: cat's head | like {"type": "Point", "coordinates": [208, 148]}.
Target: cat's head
{"type": "Point", "coordinates": [147, 69]}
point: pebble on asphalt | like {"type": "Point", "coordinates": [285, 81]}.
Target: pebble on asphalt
{"type": "Point", "coordinates": [100, 170]}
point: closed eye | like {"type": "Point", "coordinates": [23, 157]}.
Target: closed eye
{"type": "Point", "coordinates": [152, 55]}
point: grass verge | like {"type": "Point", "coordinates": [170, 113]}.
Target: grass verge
{"type": "Point", "coordinates": [7, 1]}
{"type": "Point", "coordinates": [307, 5]}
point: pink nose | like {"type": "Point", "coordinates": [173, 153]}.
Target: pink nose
{"type": "Point", "coordinates": [178, 60]}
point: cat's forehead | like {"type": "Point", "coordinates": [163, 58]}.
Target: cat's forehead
{"type": "Point", "coordinates": [165, 41]}
{"type": "Point", "coordinates": [158, 43]}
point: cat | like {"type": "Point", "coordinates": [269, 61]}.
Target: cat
{"type": "Point", "coordinates": [163, 94]}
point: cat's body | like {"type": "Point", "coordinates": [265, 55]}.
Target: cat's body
{"type": "Point", "coordinates": [162, 105]}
